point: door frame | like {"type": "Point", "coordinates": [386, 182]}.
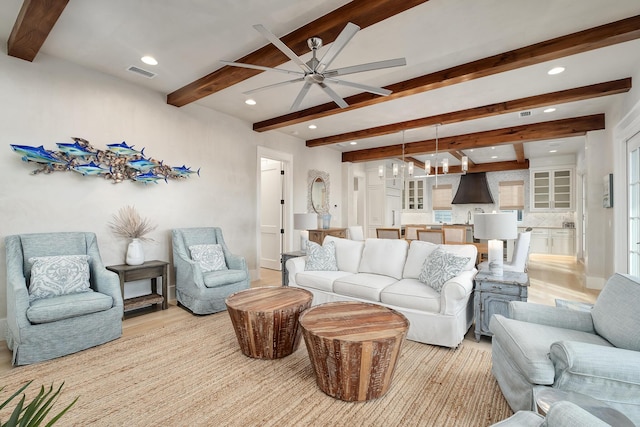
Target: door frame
{"type": "Point", "coordinates": [287, 166]}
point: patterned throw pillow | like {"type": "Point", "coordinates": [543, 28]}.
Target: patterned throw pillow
{"type": "Point", "coordinates": [439, 267]}
{"type": "Point", "coordinates": [58, 275]}
{"type": "Point", "coordinates": [209, 257]}
{"type": "Point", "coordinates": [321, 258]}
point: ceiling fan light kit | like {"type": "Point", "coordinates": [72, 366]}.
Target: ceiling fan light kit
{"type": "Point", "coordinates": [316, 72]}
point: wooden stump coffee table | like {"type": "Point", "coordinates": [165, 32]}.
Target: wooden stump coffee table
{"type": "Point", "coordinates": [265, 320]}
{"type": "Point", "coordinates": [353, 347]}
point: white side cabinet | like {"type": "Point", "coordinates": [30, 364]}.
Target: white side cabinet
{"type": "Point", "coordinates": [555, 241]}
{"type": "Point", "coordinates": [552, 189]}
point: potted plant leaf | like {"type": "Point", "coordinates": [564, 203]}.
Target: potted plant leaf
{"type": "Point", "coordinates": [34, 413]}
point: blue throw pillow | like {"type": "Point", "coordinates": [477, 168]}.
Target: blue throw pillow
{"type": "Point", "coordinates": [439, 267]}
{"type": "Point", "coordinates": [321, 258]}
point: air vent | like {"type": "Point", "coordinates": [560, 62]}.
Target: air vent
{"type": "Point", "coordinates": [523, 114]}
{"type": "Point", "coordinates": [138, 70]}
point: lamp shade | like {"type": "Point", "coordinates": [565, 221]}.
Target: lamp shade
{"type": "Point", "coordinates": [501, 226]}
{"type": "Point", "coordinates": [305, 221]}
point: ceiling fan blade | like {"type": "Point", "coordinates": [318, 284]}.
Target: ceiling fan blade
{"type": "Point", "coordinates": [301, 95]}
{"type": "Point", "coordinates": [336, 98]}
{"type": "Point", "coordinates": [260, 67]}
{"type": "Point", "coordinates": [283, 47]}
{"type": "Point", "coordinates": [249, 92]}
{"type": "Point", "coordinates": [339, 43]}
{"type": "Point", "coordinates": [389, 63]}
{"type": "Point", "coordinates": [372, 89]}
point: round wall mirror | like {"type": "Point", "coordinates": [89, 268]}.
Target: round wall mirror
{"type": "Point", "coordinates": [318, 200]}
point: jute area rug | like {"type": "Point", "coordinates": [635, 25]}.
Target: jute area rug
{"type": "Point", "coordinates": [192, 373]}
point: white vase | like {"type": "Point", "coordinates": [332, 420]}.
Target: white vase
{"type": "Point", "coordinates": [135, 254]}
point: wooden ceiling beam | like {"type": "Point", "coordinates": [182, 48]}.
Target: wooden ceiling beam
{"type": "Point", "coordinates": [487, 167]}
{"type": "Point", "coordinates": [572, 44]}
{"type": "Point", "coordinates": [519, 149]}
{"type": "Point", "coordinates": [361, 12]}
{"type": "Point", "coordinates": [554, 98]}
{"type": "Point", "coordinates": [564, 128]}
{"type": "Point", "coordinates": [33, 24]}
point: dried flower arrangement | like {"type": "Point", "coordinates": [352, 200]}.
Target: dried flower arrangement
{"type": "Point", "coordinates": [129, 224]}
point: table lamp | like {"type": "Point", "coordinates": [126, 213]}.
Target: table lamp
{"type": "Point", "coordinates": [495, 227]}
{"type": "Point", "coordinates": [304, 222]}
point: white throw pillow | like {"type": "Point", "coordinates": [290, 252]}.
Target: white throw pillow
{"type": "Point", "coordinates": [418, 252]}
{"type": "Point", "coordinates": [58, 275]}
{"type": "Point", "coordinates": [209, 257]}
{"type": "Point", "coordinates": [321, 258]}
{"type": "Point", "coordinates": [384, 256]}
{"type": "Point", "coordinates": [348, 253]}
{"type": "Point", "coordinates": [439, 267]}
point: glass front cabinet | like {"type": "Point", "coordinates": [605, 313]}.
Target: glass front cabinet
{"type": "Point", "coordinates": [552, 189]}
{"type": "Point", "coordinates": [415, 193]}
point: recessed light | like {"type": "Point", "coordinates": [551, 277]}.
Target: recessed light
{"type": "Point", "coordinates": [549, 110]}
{"type": "Point", "coordinates": [553, 151]}
{"type": "Point", "coordinates": [313, 127]}
{"type": "Point", "coordinates": [149, 60]}
{"type": "Point", "coordinates": [494, 157]}
{"type": "Point", "coordinates": [353, 143]}
{"type": "Point", "coordinates": [250, 101]}
{"type": "Point", "coordinates": [555, 70]}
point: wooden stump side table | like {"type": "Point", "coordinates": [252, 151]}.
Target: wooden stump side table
{"type": "Point", "coordinates": [353, 347]}
{"type": "Point", "coordinates": [265, 320]}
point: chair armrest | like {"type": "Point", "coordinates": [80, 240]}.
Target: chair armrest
{"type": "Point", "coordinates": [568, 414]}
{"type": "Point", "coordinates": [456, 292]}
{"type": "Point", "coordinates": [551, 316]}
{"type": "Point", "coordinates": [294, 266]}
{"type": "Point", "coordinates": [188, 272]}
{"type": "Point", "coordinates": [606, 373]}
{"type": "Point", "coordinates": [108, 283]}
{"type": "Point", "coordinates": [236, 262]}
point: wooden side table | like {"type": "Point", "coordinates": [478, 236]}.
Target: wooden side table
{"type": "Point", "coordinates": [286, 256]}
{"type": "Point", "coordinates": [353, 347]}
{"type": "Point", "coordinates": [148, 270]}
{"type": "Point", "coordinates": [492, 296]}
{"type": "Point", "coordinates": [319, 235]}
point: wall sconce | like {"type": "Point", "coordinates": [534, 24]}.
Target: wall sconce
{"type": "Point", "coordinates": [445, 165]}
{"type": "Point", "coordinates": [465, 164]}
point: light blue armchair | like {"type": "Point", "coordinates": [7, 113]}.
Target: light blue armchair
{"type": "Point", "coordinates": [52, 327]}
{"type": "Point", "coordinates": [204, 292]}
{"type": "Point", "coordinates": [562, 414]}
{"type": "Point", "coordinates": [594, 352]}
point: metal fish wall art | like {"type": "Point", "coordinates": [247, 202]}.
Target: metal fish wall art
{"type": "Point", "coordinates": [118, 163]}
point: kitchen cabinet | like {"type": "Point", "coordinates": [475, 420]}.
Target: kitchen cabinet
{"type": "Point", "coordinates": [555, 241]}
{"type": "Point", "coordinates": [415, 194]}
{"type": "Point", "coordinates": [552, 189]}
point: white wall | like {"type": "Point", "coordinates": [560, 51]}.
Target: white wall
{"type": "Point", "coordinates": [50, 101]}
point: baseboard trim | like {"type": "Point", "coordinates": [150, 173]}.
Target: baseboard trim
{"type": "Point", "coordinates": [592, 282]}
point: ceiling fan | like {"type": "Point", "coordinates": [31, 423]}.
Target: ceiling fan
{"type": "Point", "coordinates": [315, 71]}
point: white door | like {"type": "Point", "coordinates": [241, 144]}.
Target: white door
{"type": "Point", "coordinates": [271, 224]}
{"type": "Point", "coordinates": [633, 182]}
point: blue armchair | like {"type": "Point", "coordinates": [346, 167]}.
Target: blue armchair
{"type": "Point", "coordinates": [204, 292]}
{"type": "Point", "coordinates": [594, 352]}
{"type": "Point", "coordinates": [55, 326]}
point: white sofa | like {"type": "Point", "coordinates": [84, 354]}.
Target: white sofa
{"type": "Point", "coordinates": [385, 272]}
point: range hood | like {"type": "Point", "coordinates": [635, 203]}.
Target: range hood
{"type": "Point", "coordinates": [474, 189]}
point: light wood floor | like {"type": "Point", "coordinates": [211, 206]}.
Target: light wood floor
{"type": "Point", "coordinates": [550, 277]}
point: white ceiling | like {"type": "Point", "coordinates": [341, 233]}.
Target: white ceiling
{"type": "Point", "coordinates": [190, 37]}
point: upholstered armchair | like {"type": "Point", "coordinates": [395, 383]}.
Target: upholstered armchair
{"type": "Point", "coordinates": [595, 352]}
{"type": "Point", "coordinates": [48, 319]}
{"type": "Point", "coordinates": [562, 414]}
{"type": "Point", "coordinates": [206, 271]}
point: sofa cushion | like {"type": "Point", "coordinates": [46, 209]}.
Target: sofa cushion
{"type": "Point", "coordinates": [384, 256]}
{"type": "Point", "coordinates": [322, 280]}
{"type": "Point", "coordinates": [528, 345]}
{"type": "Point", "coordinates": [439, 267]}
{"type": "Point", "coordinates": [615, 314]}
{"type": "Point", "coordinates": [321, 258]}
{"type": "Point", "coordinates": [411, 293]}
{"type": "Point", "coordinates": [213, 279]}
{"type": "Point", "coordinates": [348, 253]}
{"type": "Point", "coordinates": [418, 252]}
{"type": "Point", "coordinates": [58, 275]}
{"type": "Point", "coordinates": [362, 285]}
{"type": "Point", "coordinates": [48, 310]}
{"type": "Point", "coordinates": [209, 257]}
